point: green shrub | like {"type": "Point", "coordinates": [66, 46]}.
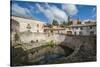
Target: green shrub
{"type": "Point", "coordinates": [51, 43]}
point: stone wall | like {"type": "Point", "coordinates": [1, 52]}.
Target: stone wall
{"type": "Point", "coordinates": [41, 37]}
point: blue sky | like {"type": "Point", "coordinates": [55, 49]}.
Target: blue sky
{"type": "Point", "coordinates": [46, 12]}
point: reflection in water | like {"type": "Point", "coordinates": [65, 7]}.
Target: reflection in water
{"type": "Point", "coordinates": [53, 55]}
{"type": "Point", "coordinates": [49, 58]}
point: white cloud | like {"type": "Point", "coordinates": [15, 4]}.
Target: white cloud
{"type": "Point", "coordinates": [71, 9]}
{"type": "Point", "coordinates": [94, 15]}
{"type": "Point", "coordinates": [16, 9]}
{"type": "Point", "coordinates": [86, 20]}
{"type": "Point", "coordinates": [58, 13]}
{"type": "Point", "coordinates": [46, 12]}
{"type": "Point", "coordinates": [52, 12]}
{"type": "Point", "coordinates": [33, 9]}
{"type": "Point", "coordinates": [93, 12]}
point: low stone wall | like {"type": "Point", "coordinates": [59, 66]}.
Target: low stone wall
{"type": "Point", "coordinates": [27, 38]}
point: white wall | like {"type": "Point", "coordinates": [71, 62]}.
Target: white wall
{"type": "Point", "coordinates": [85, 31]}
{"type": "Point", "coordinates": [33, 23]}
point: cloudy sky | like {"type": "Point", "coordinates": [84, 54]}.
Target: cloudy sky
{"type": "Point", "coordinates": [46, 12]}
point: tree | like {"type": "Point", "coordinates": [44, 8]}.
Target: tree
{"type": "Point", "coordinates": [49, 25]}
{"type": "Point", "coordinates": [55, 23]}
{"type": "Point", "coordinates": [63, 24]}
{"type": "Point", "coordinates": [69, 21]}
{"type": "Point", "coordinates": [68, 18]}
{"type": "Point", "coordinates": [78, 22]}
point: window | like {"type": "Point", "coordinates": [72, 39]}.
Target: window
{"type": "Point", "coordinates": [90, 27]}
{"type": "Point", "coordinates": [37, 25]}
{"type": "Point", "coordinates": [69, 32]}
{"type": "Point", "coordinates": [69, 28]}
{"type": "Point", "coordinates": [75, 33]}
{"type": "Point", "coordinates": [91, 32]}
{"type": "Point", "coordinates": [44, 30]}
{"type": "Point", "coordinates": [37, 31]}
{"type": "Point", "coordinates": [51, 31]}
{"type": "Point", "coordinates": [58, 31]}
{"type": "Point", "coordinates": [81, 28]}
{"type": "Point", "coordinates": [28, 26]}
{"type": "Point", "coordinates": [76, 27]}
{"type": "Point", "coordinates": [80, 33]}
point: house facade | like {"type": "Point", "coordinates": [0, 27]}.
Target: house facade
{"type": "Point", "coordinates": [82, 29]}
{"type": "Point", "coordinates": [25, 27]}
{"type": "Point", "coordinates": [26, 24]}
{"type": "Point", "coordinates": [54, 30]}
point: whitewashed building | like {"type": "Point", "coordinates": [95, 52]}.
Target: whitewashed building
{"type": "Point", "coordinates": [82, 29]}
{"type": "Point", "coordinates": [26, 24]}
{"type": "Point", "coordinates": [54, 30]}
{"type": "Point", "coordinates": [25, 27]}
